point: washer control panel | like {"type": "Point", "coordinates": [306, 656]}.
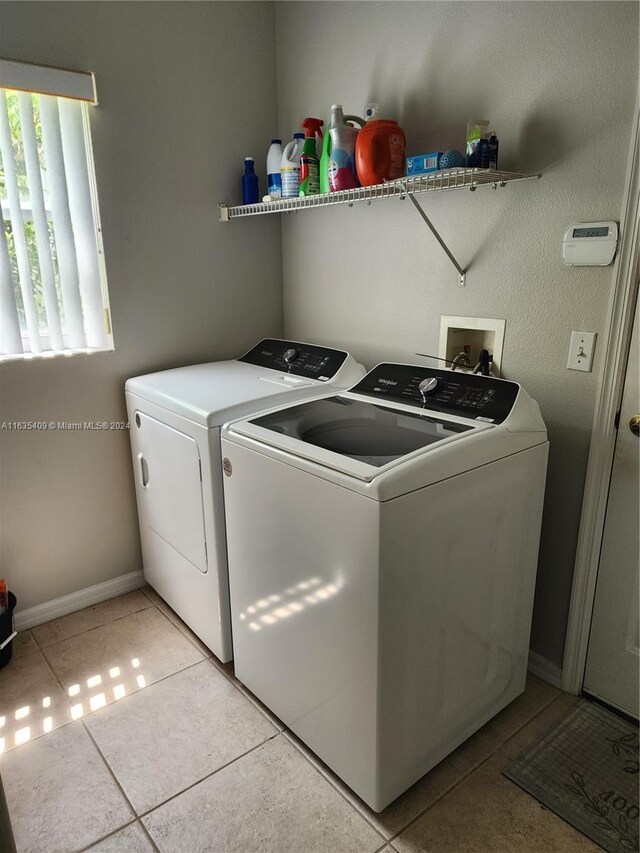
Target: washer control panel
{"type": "Point", "coordinates": [468, 395]}
{"type": "Point", "coordinates": [307, 360]}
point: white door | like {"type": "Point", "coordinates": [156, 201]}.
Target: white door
{"type": "Point", "coordinates": [613, 656]}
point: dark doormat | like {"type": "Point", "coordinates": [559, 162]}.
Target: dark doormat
{"type": "Point", "coordinates": [586, 770]}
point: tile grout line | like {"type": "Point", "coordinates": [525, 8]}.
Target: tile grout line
{"type": "Point", "coordinates": [178, 627]}
{"type": "Point", "coordinates": [218, 665]}
{"type": "Point", "coordinates": [157, 681]}
{"type": "Point", "coordinates": [246, 693]}
{"type": "Point", "coordinates": [42, 647]}
{"type": "Point", "coordinates": [108, 835]}
{"type": "Point", "coordinates": [117, 783]}
{"type": "Point", "coordinates": [208, 776]}
{"type": "Point", "coordinates": [473, 769]}
{"type": "Point", "coordinates": [149, 836]}
{"type": "Point", "coordinates": [337, 790]}
{"type": "Point", "coordinates": [35, 639]}
{"type": "Point", "coordinates": [215, 663]}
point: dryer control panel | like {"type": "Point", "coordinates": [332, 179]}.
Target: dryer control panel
{"type": "Point", "coordinates": [308, 360]}
{"type": "Point", "coordinates": [467, 395]}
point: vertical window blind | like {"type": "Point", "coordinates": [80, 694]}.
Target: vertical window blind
{"type": "Point", "coordinates": [53, 293]}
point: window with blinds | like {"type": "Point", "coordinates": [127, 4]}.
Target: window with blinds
{"type": "Point", "coordinates": [53, 290]}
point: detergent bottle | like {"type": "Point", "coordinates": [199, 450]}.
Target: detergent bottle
{"type": "Point", "coordinates": [309, 163]}
{"type": "Point", "coordinates": [290, 166]}
{"type": "Point", "coordinates": [341, 136]}
{"type": "Point", "coordinates": [380, 152]}
{"type": "Point", "coordinates": [274, 179]}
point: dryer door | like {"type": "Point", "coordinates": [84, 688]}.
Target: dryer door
{"type": "Point", "coordinates": [169, 487]}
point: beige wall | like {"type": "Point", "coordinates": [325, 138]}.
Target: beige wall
{"type": "Point", "coordinates": [558, 82]}
{"type": "Point", "coordinates": [186, 90]}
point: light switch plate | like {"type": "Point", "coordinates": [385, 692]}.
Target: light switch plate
{"type": "Point", "coordinates": [581, 351]}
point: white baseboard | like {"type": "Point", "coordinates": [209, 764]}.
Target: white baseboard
{"type": "Point", "coordinates": [545, 669]}
{"type": "Point", "coordinates": [32, 616]}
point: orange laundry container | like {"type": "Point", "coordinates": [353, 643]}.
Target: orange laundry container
{"type": "Point", "coordinates": [380, 152]}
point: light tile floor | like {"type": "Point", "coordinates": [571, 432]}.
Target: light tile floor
{"type": "Point", "coordinates": [122, 733]}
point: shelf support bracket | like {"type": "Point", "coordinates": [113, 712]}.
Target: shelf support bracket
{"type": "Point", "coordinates": [224, 212]}
{"type": "Point", "coordinates": [462, 273]}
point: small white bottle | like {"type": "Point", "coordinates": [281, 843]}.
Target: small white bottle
{"type": "Point", "coordinates": [274, 159]}
{"type": "Point", "coordinates": [290, 166]}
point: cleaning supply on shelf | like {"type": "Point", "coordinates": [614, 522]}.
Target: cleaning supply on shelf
{"type": "Point", "coordinates": [342, 164]}
{"type": "Point", "coordinates": [489, 152]}
{"type": "Point", "coordinates": [476, 132]}
{"type": "Point", "coordinates": [423, 164]}
{"type": "Point", "coordinates": [380, 152]}
{"type": "Point", "coordinates": [309, 162]}
{"type": "Point", "coordinates": [274, 161]}
{"type": "Point", "coordinates": [250, 188]}
{"type": "Point", "coordinates": [341, 138]}
{"type": "Point", "coordinates": [290, 166]}
{"type": "Point", "coordinates": [324, 158]}
{"type": "Point", "coordinates": [451, 159]}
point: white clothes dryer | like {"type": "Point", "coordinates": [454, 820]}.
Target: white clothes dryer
{"type": "Point", "coordinates": [175, 418]}
{"type": "Point", "coordinates": [382, 548]}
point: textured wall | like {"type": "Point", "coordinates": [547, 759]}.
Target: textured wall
{"type": "Point", "coordinates": [186, 90]}
{"type": "Point", "coordinates": [558, 82]}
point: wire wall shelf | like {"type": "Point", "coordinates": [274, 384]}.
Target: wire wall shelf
{"type": "Point", "coordinates": [448, 179]}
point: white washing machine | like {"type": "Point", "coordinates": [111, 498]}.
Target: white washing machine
{"type": "Point", "coordinates": [382, 548]}
{"type": "Point", "coordinates": [175, 419]}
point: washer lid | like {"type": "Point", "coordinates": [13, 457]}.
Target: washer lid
{"type": "Point", "coordinates": [351, 434]}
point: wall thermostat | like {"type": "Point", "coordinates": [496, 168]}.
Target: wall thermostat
{"type": "Point", "coordinates": [590, 244]}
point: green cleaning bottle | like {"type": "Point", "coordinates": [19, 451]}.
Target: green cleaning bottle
{"type": "Point", "coordinates": [309, 163]}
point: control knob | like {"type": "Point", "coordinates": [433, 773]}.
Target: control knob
{"type": "Point", "coordinates": [290, 355]}
{"type": "Point", "coordinates": [427, 386]}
